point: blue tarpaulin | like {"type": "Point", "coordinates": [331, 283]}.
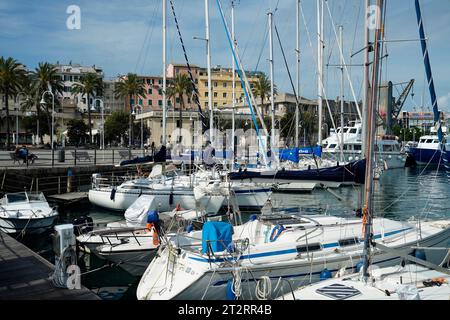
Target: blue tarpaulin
{"type": "Point", "coordinates": [217, 234]}
{"type": "Point", "coordinates": [289, 154]}
{"type": "Point", "coordinates": [307, 150]}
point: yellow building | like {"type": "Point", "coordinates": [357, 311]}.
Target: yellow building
{"type": "Point", "coordinates": [222, 86]}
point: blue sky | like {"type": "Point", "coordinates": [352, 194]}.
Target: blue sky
{"type": "Point", "coordinates": [122, 36]}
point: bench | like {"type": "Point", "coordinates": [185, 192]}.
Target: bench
{"type": "Point", "coordinates": [124, 154]}
{"type": "Point", "coordinates": [81, 155]}
{"type": "Point", "coordinates": [15, 158]}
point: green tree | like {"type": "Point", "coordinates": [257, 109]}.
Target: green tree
{"type": "Point", "coordinates": [89, 85]}
{"type": "Point", "coordinates": [76, 131]}
{"type": "Point", "coordinates": [45, 78]}
{"type": "Point", "coordinates": [262, 89]}
{"type": "Point", "coordinates": [11, 77]}
{"type": "Point", "coordinates": [178, 87]}
{"type": "Point", "coordinates": [130, 86]}
{"type": "Point", "coordinates": [116, 125]}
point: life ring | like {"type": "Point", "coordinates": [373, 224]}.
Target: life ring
{"type": "Point", "coordinates": [276, 231]}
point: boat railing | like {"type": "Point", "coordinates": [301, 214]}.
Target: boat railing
{"type": "Point", "coordinates": [16, 212]}
{"type": "Point", "coordinates": [123, 233]}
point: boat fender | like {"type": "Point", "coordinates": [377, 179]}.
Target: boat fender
{"type": "Point", "coordinates": [420, 254]}
{"type": "Point", "coordinates": [152, 216]}
{"type": "Point", "coordinates": [230, 292]}
{"type": "Point", "coordinates": [359, 265]}
{"type": "Point", "coordinates": [276, 231]}
{"type": "Point", "coordinates": [113, 194]}
{"type": "Point", "coordinates": [325, 274]}
{"type": "Point", "coordinates": [189, 228]}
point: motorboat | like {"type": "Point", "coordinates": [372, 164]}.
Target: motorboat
{"type": "Point", "coordinates": [26, 212]}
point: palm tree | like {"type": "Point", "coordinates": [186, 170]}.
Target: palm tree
{"type": "Point", "coordinates": [90, 84]}
{"type": "Point", "coordinates": [178, 87]}
{"type": "Point", "coordinates": [130, 86]}
{"type": "Point", "coordinates": [11, 77]}
{"type": "Point", "coordinates": [45, 78]}
{"type": "Point", "coordinates": [261, 89]}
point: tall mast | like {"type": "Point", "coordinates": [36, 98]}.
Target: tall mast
{"type": "Point", "coordinates": [297, 53]}
{"type": "Point", "coordinates": [371, 131]}
{"type": "Point", "coordinates": [233, 84]}
{"type": "Point", "coordinates": [272, 103]}
{"type": "Point", "coordinates": [366, 85]}
{"type": "Point", "coordinates": [164, 107]}
{"type": "Point", "coordinates": [319, 67]}
{"type": "Point", "coordinates": [341, 28]}
{"type": "Point", "coordinates": [208, 62]}
{"type": "Point", "coordinates": [426, 60]}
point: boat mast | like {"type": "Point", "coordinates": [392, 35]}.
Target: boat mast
{"type": "Point", "coordinates": [297, 53]}
{"type": "Point", "coordinates": [272, 103]}
{"type": "Point", "coordinates": [319, 67]}
{"type": "Point", "coordinates": [164, 36]}
{"type": "Point", "coordinates": [341, 28]}
{"type": "Point", "coordinates": [233, 84]}
{"type": "Point", "coordinates": [208, 63]}
{"type": "Point", "coordinates": [426, 60]}
{"type": "Point", "coordinates": [371, 131]}
{"type": "Point", "coordinates": [366, 85]}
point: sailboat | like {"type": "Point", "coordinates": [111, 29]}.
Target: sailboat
{"type": "Point", "coordinates": [231, 261]}
{"type": "Point", "coordinates": [422, 280]}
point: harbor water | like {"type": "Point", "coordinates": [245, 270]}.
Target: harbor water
{"type": "Point", "coordinates": [400, 194]}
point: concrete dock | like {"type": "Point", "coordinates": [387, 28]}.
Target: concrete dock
{"type": "Point", "coordinates": [24, 275]}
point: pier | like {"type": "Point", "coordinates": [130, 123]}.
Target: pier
{"type": "Point", "coordinates": [24, 275]}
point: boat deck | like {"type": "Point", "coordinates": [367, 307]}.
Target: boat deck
{"type": "Point", "coordinates": [24, 275]}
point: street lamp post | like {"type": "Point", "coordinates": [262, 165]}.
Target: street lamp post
{"type": "Point", "coordinates": [102, 107]}
{"type": "Point", "coordinates": [139, 108]}
{"type": "Point", "coordinates": [53, 120]}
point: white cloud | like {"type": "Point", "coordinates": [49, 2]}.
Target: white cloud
{"type": "Point", "coordinates": [444, 102]}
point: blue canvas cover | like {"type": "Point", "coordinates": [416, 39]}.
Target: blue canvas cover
{"type": "Point", "coordinates": [219, 235]}
{"type": "Point", "coordinates": [289, 154]}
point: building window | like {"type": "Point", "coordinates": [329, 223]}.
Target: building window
{"type": "Point", "coordinates": [206, 84]}
{"type": "Point", "coordinates": [177, 100]}
{"type": "Point", "coordinates": [206, 94]}
{"type": "Point", "coordinates": [224, 84]}
{"type": "Point", "coordinates": [150, 91]}
{"type": "Point", "coordinates": [215, 94]}
{"type": "Point", "coordinates": [178, 124]}
{"type": "Point", "coordinates": [224, 94]}
{"type": "Point", "coordinates": [140, 102]}
{"type": "Point", "coordinates": [215, 104]}
{"type": "Point", "coordinates": [206, 104]}
{"type": "Point", "coordinates": [148, 81]}
{"type": "Point", "coordinates": [215, 84]}
{"type": "Point", "coordinates": [161, 124]}
{"type": "Point", "coordinates": [159, 102]}
{"type": "Point", "coordinates": [160, 92]}
{"type": "Point", "coordinates": [159, 81]}
{"type": "Point", "coordinates": [150, 102]}
{"type": "Point", "coordinates": [169, 103]}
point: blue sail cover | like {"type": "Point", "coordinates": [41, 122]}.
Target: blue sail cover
{"type": "Point", "coordinates": [307, 150]}
{"type": "Point", "coordinates": [289, 155]}
{"type": "Point", "coordinates": [160, 156]}
{"type": "Point", "coordinates": [217, 234]}
{"type": "Point", "coordinates": [353, 172]}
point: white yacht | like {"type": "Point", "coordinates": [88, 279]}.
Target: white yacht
{"type": "Point", "coordinates": [178, 190]}
{"type": "Point", "coordinates": [387, 148]}
{"type": "Point", "coordinates": [26, 212]}
{"type": "Point", "coordinates": [298, 248]}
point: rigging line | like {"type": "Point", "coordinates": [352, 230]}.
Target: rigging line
{"type": "Point", "coordinates": [355, 32]}
{"type": "Point", "coordinates": [150, 27]}
{"type": "Point", "coordinates": [149, 41]}
{"type": "Point", "coordinates": [194, 87]}
{"type": "Point", "coordinates": [343, 59]}
{"type": "Point", "coordinates": [262, 48]}
{"type": "Point", "coordinates": [293, 88]}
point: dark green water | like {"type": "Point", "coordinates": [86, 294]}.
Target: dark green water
{"type": "Point", "coordinates": [399, 194]}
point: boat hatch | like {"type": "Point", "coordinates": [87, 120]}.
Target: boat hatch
{"type": "Point", "coordinates": [309, 248]}
{"type": "Point", "coordinates": [348, 242]}
{"type": "Point", "coordinates": [338, 291]}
